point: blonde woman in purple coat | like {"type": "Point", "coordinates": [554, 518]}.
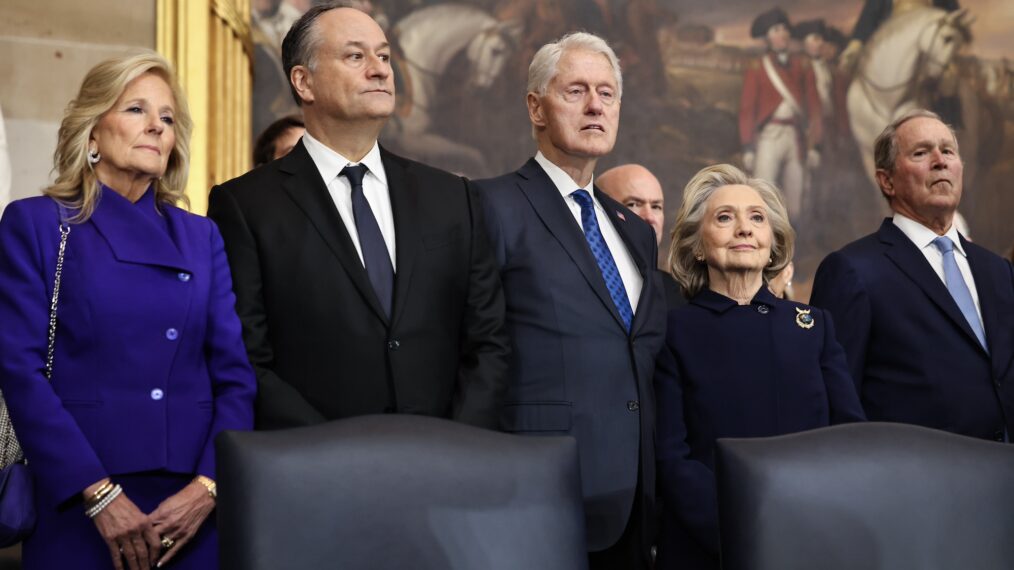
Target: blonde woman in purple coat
{"type": "Point", "coordinates": [148, 363]}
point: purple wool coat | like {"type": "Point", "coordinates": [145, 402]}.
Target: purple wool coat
{"type": "Point", "coordinates": [149, 363]}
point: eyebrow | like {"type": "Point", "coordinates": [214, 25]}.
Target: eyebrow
{"type": "Point", "coordinates": [748, 207]}
{"type": "Point", "coordinates": [145, 101]}
{"type": "Point", "coordinates": [363, 45]}
{"type": "Point", "coordinates": [929, 143]}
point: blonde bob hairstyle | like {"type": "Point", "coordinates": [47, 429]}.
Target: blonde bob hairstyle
{"type": "Point", "coordinates": [76, 184]}
{"type": "Point", "coordinates": [686, 244]}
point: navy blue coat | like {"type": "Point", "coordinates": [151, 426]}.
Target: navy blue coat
{"type": "Point", "coordinates": [732, 370]}
{"type": "Point", "coordinates": [574, 368]}
{"type": "Point", "coordinates": [911, 352]}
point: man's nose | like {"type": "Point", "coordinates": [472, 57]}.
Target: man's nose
{"type": "Point", "coordinates": [379, 67]}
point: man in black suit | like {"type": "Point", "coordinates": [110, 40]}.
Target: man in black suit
{"type": "Point", "coordinates": [584, 302]}
{"type": "Point", "coordinates": [636, 187]}
{"type": "Point", "coordinates": [364, 280]}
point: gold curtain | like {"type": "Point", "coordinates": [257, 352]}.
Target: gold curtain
{"type": "Point", "coordinates": [209, 43]}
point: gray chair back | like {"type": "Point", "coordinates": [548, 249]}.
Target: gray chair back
{"type": "Point", "coordinates": [866, 495]}
{"type": "Point", "coordinates": [398, 491]}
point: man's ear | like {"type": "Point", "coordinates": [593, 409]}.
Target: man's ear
{"type": "Point", "coordinates": [885, 182]}
{"type": "Point", "coordinates": [536, 112]}
{"type": "Point", "coordinates": [302, 82]}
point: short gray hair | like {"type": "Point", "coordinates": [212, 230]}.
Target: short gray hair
{"type": "Point", "coordinates": [544, 65]}
{"type": "Point", "coordinates": [885, 147]}
{"type": "Point", "coordinates": [685, 245]}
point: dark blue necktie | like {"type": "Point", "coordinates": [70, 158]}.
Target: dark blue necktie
{"type": "Point", "coordinates": [376, 258]}
{"type": "Point", "coordinates": [603, 256]}
{"type": "Point", "coordinates": [958, 288]}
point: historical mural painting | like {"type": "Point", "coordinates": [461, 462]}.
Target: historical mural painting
{"type": "Point", "coordinates": [700, 82]}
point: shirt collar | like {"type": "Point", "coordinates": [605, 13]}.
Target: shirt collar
{"type": "Point", "coordinates": [719, 303]}
{"type": "Point", "coordinates": [563, 182]}
{"type": "Point", "coordinates": [922, 236]}
{"type": "Point", "coordinates": [330, 164]}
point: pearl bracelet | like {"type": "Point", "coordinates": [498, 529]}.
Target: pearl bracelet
{"type": "Point", "coordinates": [98, 507]}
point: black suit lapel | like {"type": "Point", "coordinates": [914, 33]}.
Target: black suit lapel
{"type": "Point", "coordinates": [552, 210]}
{"type": "Point", "coordinates": [998, 337]}
{"type": "Point", "coordinates": [913, 263]}
{"type": "Point", "coordinates": [404, 192]}
{"type": "Point", "coordinates": [613, 210]}
{"type": "Point", "coordinates": [306, 188]}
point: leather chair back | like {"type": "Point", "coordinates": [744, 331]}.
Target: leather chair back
{"type": "Point", "coordinates": [398, 491]}
{"type": "Point", "coordinates": [866, 495]}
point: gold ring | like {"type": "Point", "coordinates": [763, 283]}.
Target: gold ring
{"type": "Point", "coordinates": [167, 542]}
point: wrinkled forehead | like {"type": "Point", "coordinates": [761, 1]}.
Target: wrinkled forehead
{"type": "Point", "coordinates": [735, 196]}
{"type": "Point", "coordinates": [923, 131]}
{"type": "Point", "coordinates": [347, 26]}
{"type": "Point", "coordinates": [584, 66]}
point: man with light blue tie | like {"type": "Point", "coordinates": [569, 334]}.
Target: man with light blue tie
{"type": "Point", "coordinates": [926, 317]}
{"type": "Point", "coordinates": [585, 308]}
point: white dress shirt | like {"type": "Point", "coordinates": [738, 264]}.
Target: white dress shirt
{"type": "Point", "coordinates": [923, 238]}
{"type": "Point", "coordinates": [632, 280]}
{"type": "Point", "coordinates": [330, 165]}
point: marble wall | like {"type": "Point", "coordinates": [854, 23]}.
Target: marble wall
{"type": "Point", "coordinates": [46, 47]}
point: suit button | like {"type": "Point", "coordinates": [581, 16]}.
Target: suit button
{"type": "Point", "coordinates": [389, 410]}
{"type": "Point", "coordinates": [183, 276]}
{"type": "Point", "coordinates": [998, 436]}
{"type": "Point", "coordinates": [157, 394]}
{"type": "Point", "coordinates": [393, 345]}
{"type": "Point", "coordinates": [633, 405]}
{"type": "Point", "coordinates": [172, 334]}
{"type": "Point", "coordinates": [763, 309]}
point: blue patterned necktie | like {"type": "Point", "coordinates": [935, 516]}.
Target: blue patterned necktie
{"type": "Point", "coordinates": [958, 288]}
{"type": "Point", "coordinates": [376, 258]}
{"type": "Point", "coordinates": [603, 256]}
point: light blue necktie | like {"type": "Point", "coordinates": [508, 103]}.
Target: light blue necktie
{"type": "Point", "coordinates": [958, 288]}
{"type": "Point", "coordinates": [603, 256]}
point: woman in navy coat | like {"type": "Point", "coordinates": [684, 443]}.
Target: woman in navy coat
{"type": "Point", "coordinates": [738, 361]}
{"type": "Point", "coordinates": [149, 364]}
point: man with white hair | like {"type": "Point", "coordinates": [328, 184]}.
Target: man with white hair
{"type": "Point", "coordinates": [584, 304]}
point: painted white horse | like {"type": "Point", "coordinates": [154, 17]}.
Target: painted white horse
{"type": "Point", "coordinates": [428, 39]}
{"type": "Point", "coordinates": [907, 50]}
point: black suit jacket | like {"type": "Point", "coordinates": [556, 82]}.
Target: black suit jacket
{"type": "Point", "coordinates": [575, 369]}
{"type": "Point", "coordinates": [910, 350]}
{"type": "Point", "coordinates": [673, 295]}
{"type": "Point", "coordinates": [315, 332]}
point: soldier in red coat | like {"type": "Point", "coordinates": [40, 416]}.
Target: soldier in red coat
{"type": "Point", "coordinates": [779, 113]}
{"type": "Point", "coordinates": [830, 82]}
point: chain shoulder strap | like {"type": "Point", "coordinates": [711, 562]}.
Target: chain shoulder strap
{"type": "Point", "coordinates": [64, 232]}
{"type": "Point", "coordinates": [10, 447]}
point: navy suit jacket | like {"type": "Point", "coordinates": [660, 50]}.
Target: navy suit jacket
{"type": "Point", "coordinates": [911, 352]}
{"type": "Point", "coordinates": [149, 364]}
{"type": "Point", "coordinates": [736, 371]}
{"type": "Point", "coordinates": [574, 368]}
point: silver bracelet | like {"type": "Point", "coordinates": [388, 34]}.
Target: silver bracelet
{"type": "Point", "coordinates": [101, 505]}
